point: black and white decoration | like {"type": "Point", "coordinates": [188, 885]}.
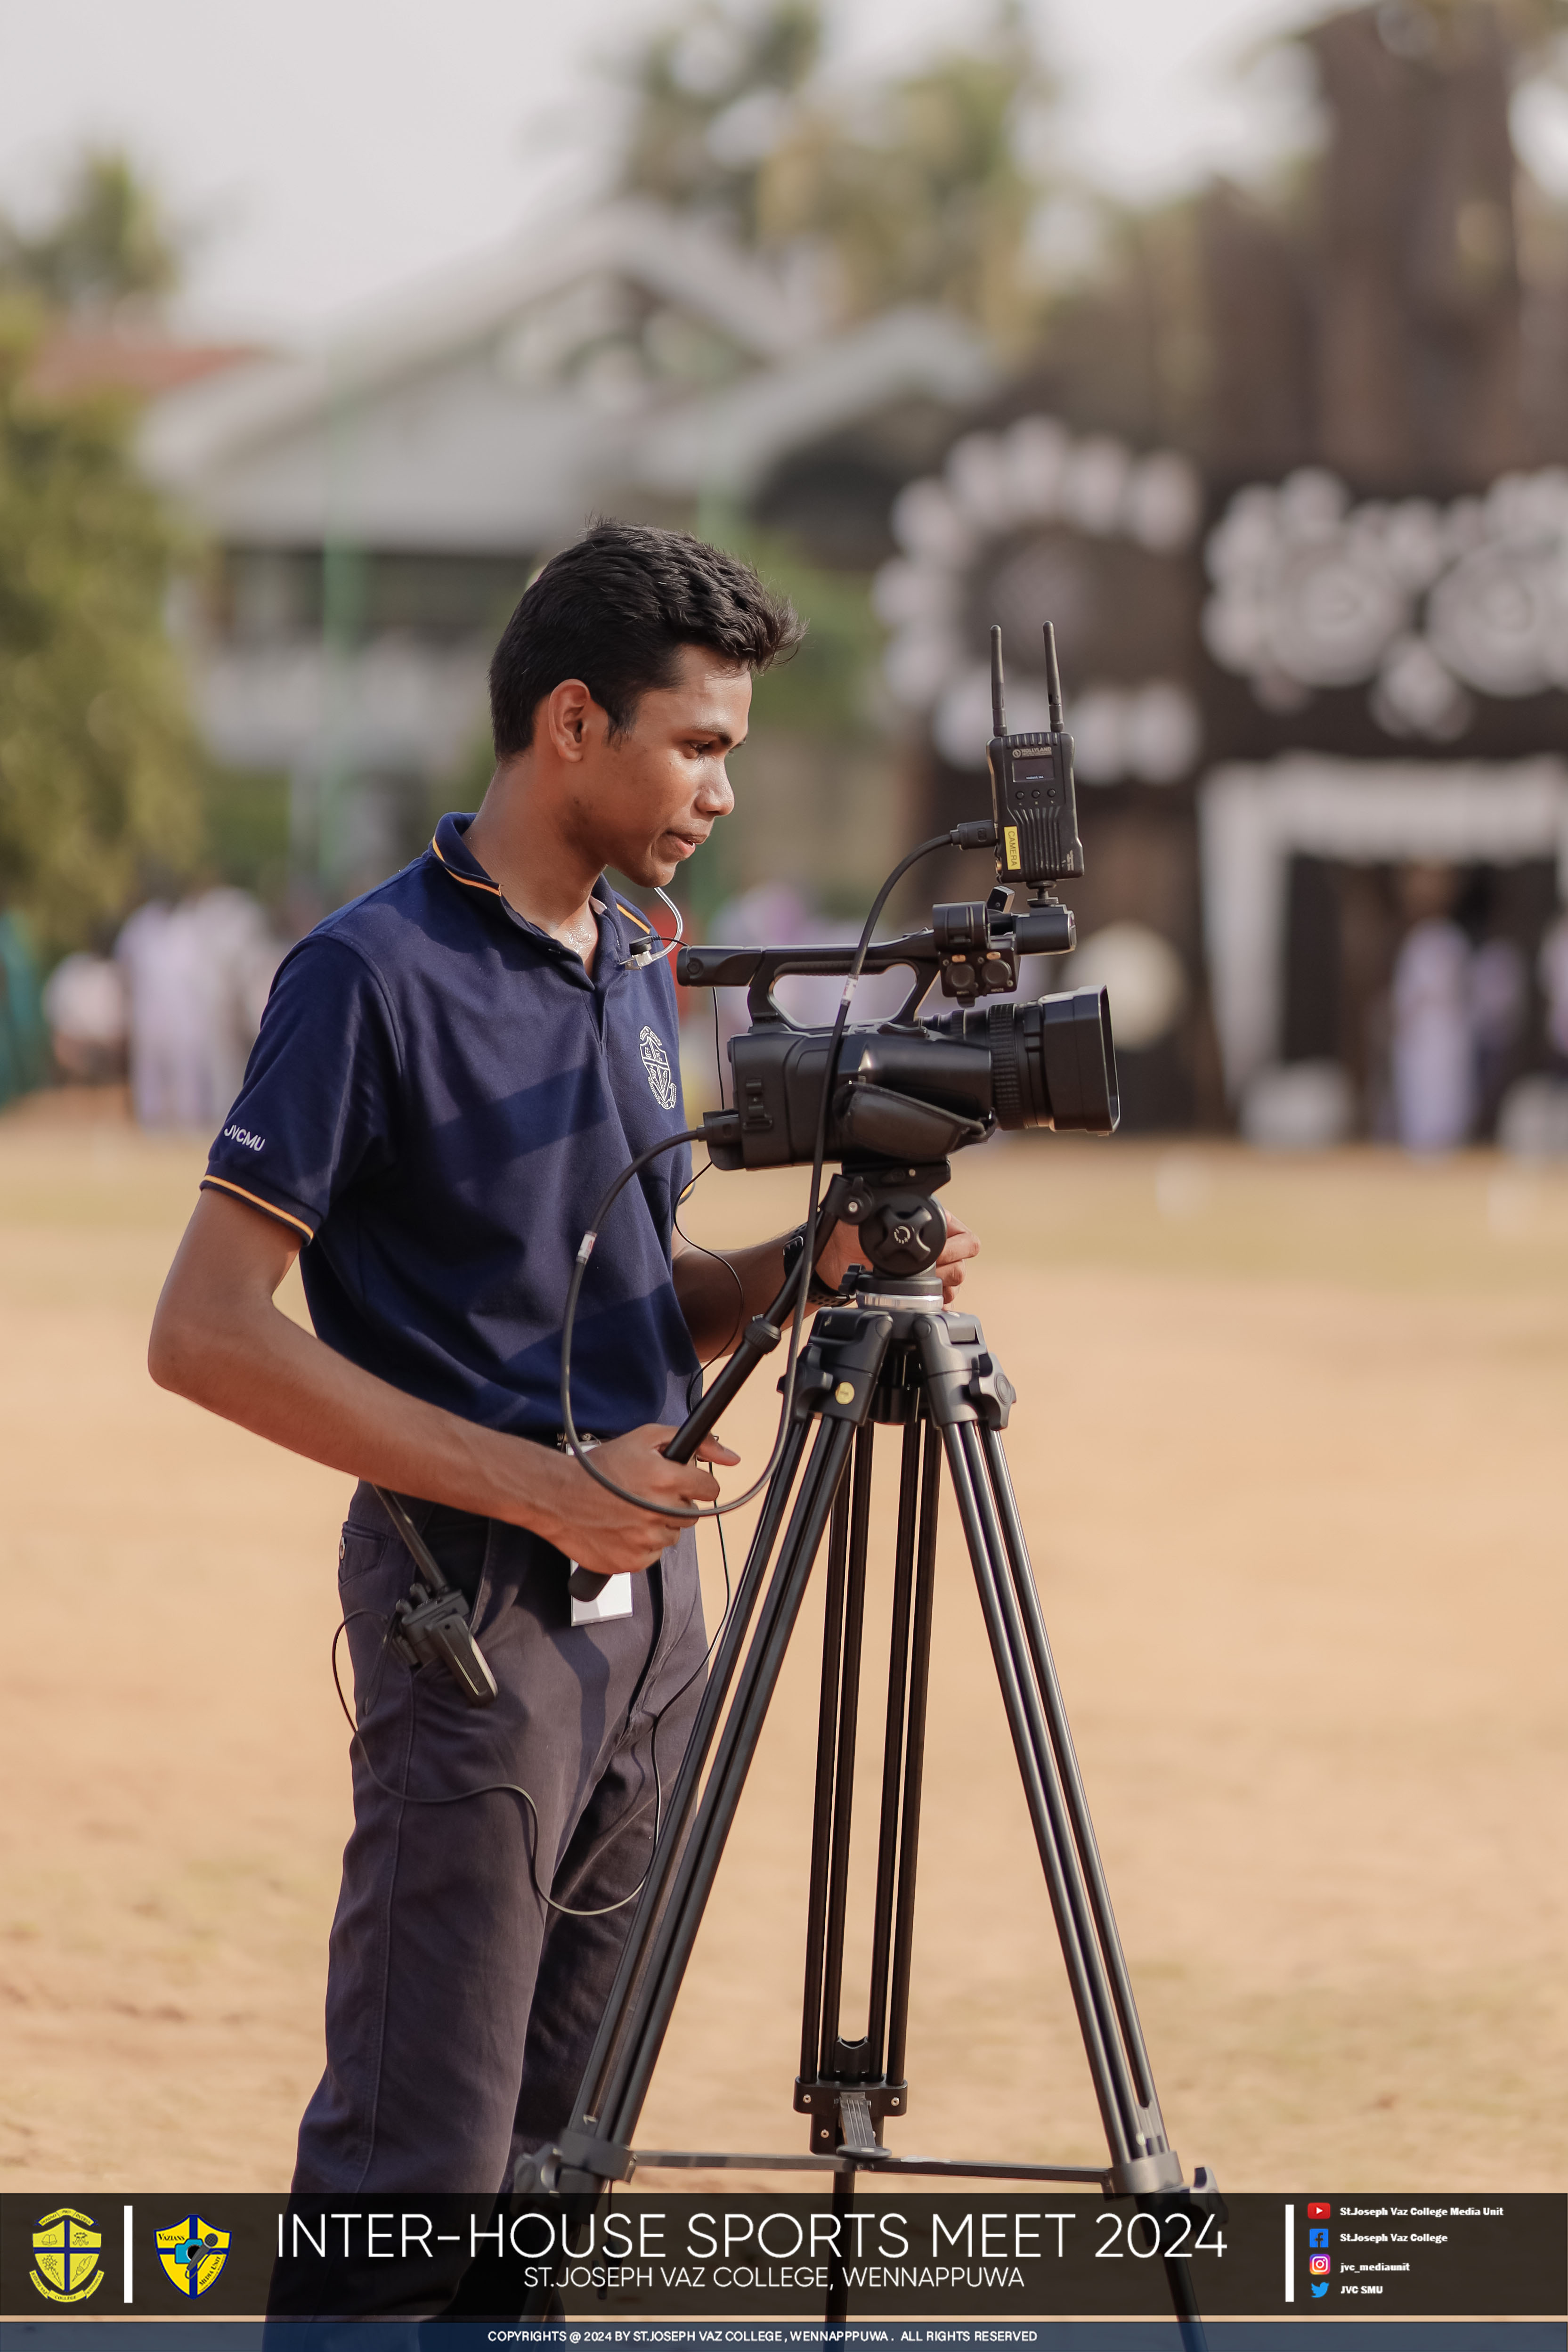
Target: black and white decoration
{"type": "Point", "coordinates": [1428, 605]}
{"type": "Point", "coordinates": [1034, 523]}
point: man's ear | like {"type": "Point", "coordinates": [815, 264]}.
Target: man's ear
{"type": "Point", "coordinates": [568, 713]}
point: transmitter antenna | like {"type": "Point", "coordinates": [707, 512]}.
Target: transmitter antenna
{"type": "Point", "coordinates": [1053, 674]}
{"type": "Point", "coordinates": [999, 711]}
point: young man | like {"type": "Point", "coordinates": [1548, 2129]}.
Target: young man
{"type": "Point", "coordinates": [450, 1072]}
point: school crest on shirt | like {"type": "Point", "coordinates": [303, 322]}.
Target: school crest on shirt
{"type": "Point", "coordinates": [656, 1062]}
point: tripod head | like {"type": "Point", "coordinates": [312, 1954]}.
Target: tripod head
{"type": "Point", "coordinates": [902, 1229]}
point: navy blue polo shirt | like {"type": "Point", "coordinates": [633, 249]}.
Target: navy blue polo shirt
{"type": "Point", "coordinates": [438, 1097]}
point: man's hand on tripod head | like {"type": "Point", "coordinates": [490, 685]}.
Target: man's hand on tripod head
{"type": "Point", "coordinates": [603, 1533]}
{"type": "Point", "coordinates": [844, 1250]}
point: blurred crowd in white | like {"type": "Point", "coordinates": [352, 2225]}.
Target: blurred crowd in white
{"type": "Point", "coordinates": [1456, 1015]}
{"type": "Point", "coordinates": [176, 1007]}
{"type": "Point", "coordinates": [1458, 1012]}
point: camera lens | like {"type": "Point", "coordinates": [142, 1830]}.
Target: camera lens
{"type": "Point", "coordinates": [1053, 1063]}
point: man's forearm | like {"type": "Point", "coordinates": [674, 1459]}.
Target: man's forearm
{"type": "Point", "coordinates": [720, 1291]}
{"type": "Point", "coordinates": [218, 1338]}
{"type": "Point", "coordinates": [261, 1371]}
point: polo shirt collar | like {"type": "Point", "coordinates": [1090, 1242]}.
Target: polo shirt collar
{"type": "Point", "coordinates": [449, 847]}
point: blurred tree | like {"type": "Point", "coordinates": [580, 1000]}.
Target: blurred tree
{"type": "Point", "coordinates": [924, 195]}
{"type": "Point", "coordinates": [100, 771]}
{"type": "Point", "coordinates": [1391, 299]}
{"type": "Point", "coordinates": [713, 97]}
{"type": "Point", "coordinates": [822, 688]}
{"type": "Point", "coordinates": [919, 192]}
{"type": "Point", "coordinates": [109, 245]}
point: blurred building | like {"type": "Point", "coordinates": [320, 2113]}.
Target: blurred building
{"type": "Point", "coordinates": [1289, 476]}
{"type": "Point", "coordinates": [376, 508]}
{"type": "Point", "coordinates": [1293, 488]}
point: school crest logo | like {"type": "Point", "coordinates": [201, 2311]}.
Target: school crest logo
{"type": "Point", "coordinates": [192, 2252]}
{"type": "Point", "coordinates": [66, 2246]}
{"type": "Point", "coordinates": [656, 1062]}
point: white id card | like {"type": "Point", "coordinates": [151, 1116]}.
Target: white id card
{"type": "Point", "coordinates": [613, 1600]}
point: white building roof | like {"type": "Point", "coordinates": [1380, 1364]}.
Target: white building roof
{"type": "Point", "coordinates": [492, 411]}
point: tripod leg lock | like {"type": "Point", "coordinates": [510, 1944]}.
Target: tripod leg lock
{"type": "Point", "coordinates": [578, 2159]}
{"type": "Point", "coordinates": [1146, 2176]}
{"type": "Point", "coordinates": [963, 1381]}
{"type": "Point", "coordinates": [1205, 2192]}
{"type": "Point", "coordinates": [839, 1370]}
{"type": "Point", "coordinates": [991, 1393]}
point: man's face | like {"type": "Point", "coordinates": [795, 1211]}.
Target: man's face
{"type": "Point", "coordinates": [645, 801]}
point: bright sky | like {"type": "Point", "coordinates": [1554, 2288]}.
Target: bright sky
{"type": "Point", "coordinates": [328, 150]}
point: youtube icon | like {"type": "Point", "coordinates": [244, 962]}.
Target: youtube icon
{"type": "Point", "coordinates": [1317, 2212]}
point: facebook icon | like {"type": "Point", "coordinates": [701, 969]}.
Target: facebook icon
{"type": "Point", "coordinates": [1317, 2237]}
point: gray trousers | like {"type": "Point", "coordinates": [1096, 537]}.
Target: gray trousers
{"type": "Point", "coordinates": [460, 2007]}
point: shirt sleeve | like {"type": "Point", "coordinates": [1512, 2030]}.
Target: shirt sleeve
{"type": "Point", "coordinates": [317, 1109]}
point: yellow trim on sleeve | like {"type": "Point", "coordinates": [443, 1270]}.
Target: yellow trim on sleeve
{"type": "Point", "coordinates": [257, 1202]}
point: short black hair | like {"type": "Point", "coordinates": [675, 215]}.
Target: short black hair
{"type": "Point", "coordinates": [614, 609]}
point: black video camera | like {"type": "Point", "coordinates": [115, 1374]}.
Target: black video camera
{"type": "Point", "coordinates": [911, 1091]}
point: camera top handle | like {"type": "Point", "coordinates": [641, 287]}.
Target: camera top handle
{"type": "Point", "coordinates": [972, 947]}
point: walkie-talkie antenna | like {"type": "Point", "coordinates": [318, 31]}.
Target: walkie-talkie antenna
{"type": "Point", "coordinates": [1052, 677]}
{"type": "Point", "coordinates": [999, 708]}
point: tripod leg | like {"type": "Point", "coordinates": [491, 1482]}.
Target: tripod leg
{"type": "Point", "coordinates": [1044, 1666]}
{"type": "Point", "coordinates": [838, 2304]}
{"type": "Point", "coordinates": [914, 1754]}
{"type": "Point", "coordinates": [844, 1761]}
{"type": "Point", "coordinates": [822, 1802]}
{"type": "Point", "coordinates": [608, 2112]}
{"type": "Point", "coordinates": [1042, 1793]}
{"type": "Point", "coordinates": [687, 1788]}
{"type": "Point", "coordinates": [833, 2068]}
{"type": "Point", "coordinates": [894, 1756]}
{"type": "Point", "coordinates": [1178, 2274]}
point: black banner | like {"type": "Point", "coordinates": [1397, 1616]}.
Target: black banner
{"type": "Point", "coordinates": [642, 2258]}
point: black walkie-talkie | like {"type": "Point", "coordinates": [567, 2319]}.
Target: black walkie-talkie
{"type": "Point", "coordinates": [430, 1626]}
{"type": "Point", "coordinates": [1033, 801]}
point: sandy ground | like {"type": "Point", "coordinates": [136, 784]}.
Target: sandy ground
{"type": "Point", "coordinates": [1291, 1446]}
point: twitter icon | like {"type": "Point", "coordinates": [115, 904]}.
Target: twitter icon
{"type": "Point", "coordinates": [1320, 2286]}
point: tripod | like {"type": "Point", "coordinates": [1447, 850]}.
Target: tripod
{"type": "Point", "coordinates": [891, 1356]}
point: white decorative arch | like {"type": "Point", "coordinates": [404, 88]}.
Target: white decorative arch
{"type": "Point", "coordinates": [1253, 819]}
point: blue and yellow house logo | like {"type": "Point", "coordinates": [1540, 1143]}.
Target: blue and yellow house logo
{"type": "Point", "coordinates": [66, 2246]}
{"type": "Point", "coordinates": [192, 2252]}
